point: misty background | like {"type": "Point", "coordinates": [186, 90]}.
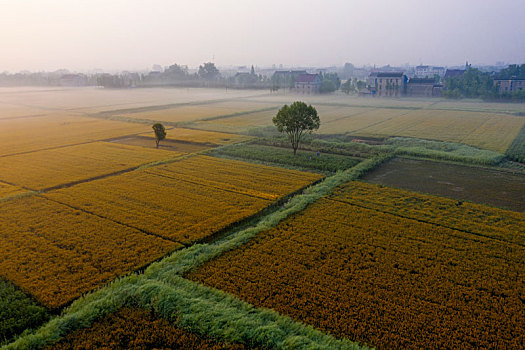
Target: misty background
{"type": "Point", "coordinates": [134, 35]}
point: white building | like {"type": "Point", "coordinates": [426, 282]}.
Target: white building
{"type": "Point", "coordinates": [429, 71]}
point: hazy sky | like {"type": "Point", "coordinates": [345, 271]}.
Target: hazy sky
{"type": "Point", "coordinates": [132, 34]}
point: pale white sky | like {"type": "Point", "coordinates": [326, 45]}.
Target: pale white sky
{"type": "Point", "coordinates": [133, 34]}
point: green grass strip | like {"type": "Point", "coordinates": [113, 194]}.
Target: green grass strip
{"type": "Point", "coordinates": [516, 150]}
{"type": "Point", "coordinates": [438, 150]}
{"type": "Point", "coordinates": [285, 156]}
{"type": "Point", "coordinates": [17, 312]}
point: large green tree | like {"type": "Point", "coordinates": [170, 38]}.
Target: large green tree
{"type": "Point", "coordinates": [208, 71]}
{"type": "Point", "coordinates": [160, 133]}
{"type": "Point", "coordinates": [297, 120]}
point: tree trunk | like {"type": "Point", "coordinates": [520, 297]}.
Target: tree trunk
{"type": "Point", "coordinates": [157, 143]}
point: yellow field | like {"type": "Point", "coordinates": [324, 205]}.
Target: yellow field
{"type": "Point", "coordinates": [483, 130]}
{"type": "Point", "coordinates": [32, 134]}
{"type": "Point", "coordinates": [186, 200]}
{"type": "Point", "coordinates": [196, 112]}
{"type": "Point", "coordinates": [7, 190]}
{"type": "Point", "coordinates": [200, 136]}
{"type": "Point", "coordinates": [56, 253]}
{"type": "Point", "coordinates": [43, 169]}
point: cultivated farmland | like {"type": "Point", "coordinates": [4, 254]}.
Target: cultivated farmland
{"type": "Point", "coordinates": [186, 200]}
{"type": "Point", "coordinates": [56, 253]}
{"type": "Point", "coordinates": [391, 280]}
{"type": "Point", "coordinates": [89, 207]}
{"type": "Point", "coordinates": [131, 328]}
{"type": "Point", "coordinates": [38, 133]}
{"type": "Point", "coordinates": [49, 168]}
{"type": "Point", "coordinates": [486, 186]}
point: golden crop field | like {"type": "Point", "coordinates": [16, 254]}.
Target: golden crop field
{"type": "Point", "coordinates": [388, 276]}
{"type": "Point", "coordinates": [56, 253]}
{"type": "Point", "coordinates": [7, 190]}
{"type": "Point", "coordinates": [48, 168]}
{"type": "Point", "coordinates": [186, 200]}
{"type": "Point", "coordinates": [32, 134]}
{"type": "Point", "coordinates": [479, 219]}
{"type": "Point", "coordinates": [240, 124]}
{"type": "Point", "coordinates": [194, 112]}
{"type": "Point", "coordinates": [483, 130]}
{"type": "Point", "coordinates": [200, 136]}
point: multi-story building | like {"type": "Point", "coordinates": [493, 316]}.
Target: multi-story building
{"type": "Point", "coordinates": [392, 84]}
{"type": "Point", "coordinates": [423, 87]}
{"type": "Point", "coordinates": [429, 71]}
{"type": "Point", "coordinates": [509, 85]}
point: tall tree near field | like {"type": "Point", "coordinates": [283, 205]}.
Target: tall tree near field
{"type": "Point", "coordinates": [160, 133]}
{"type": "Point", "coordinates": [296, 120]}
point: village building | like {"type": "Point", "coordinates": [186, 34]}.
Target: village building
{"type": "Point", "coordinates": [308, 84]}
{"type": "Point", "coordinates": [509, 85]}
{"type": "Point", "coordinates": [285, 78]}
{"type": "Point", "coordinates": [390, 84]}
{"type": "Point", "coordinates": [454, 73]}
{"type": "Point", "coordinates": [420, 87]}
{"type": "Point", "coordinates": [429, 71]}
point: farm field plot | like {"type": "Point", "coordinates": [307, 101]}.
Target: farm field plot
{"type": "Point", "coordinates": [284, 156]}
{"type": "Point", "coordinates": [7, 190]}
{"type": "Point", "coordinates": [197, 111]}
{"type": "Point", "coordinates": [384, 279]}
{"type": "Point", "coordinates": [93, 99]}
{"type": "Point", "coordinates": [238, 124]}
{"type": "Point", "coordinates": [480, 185]}
{"type": "Point", "coordinates": [351, 101]}
{"type": "Point", "coordinates": [33, 134]}
{"type": "Point", "coordinates": [49, 168]}
{"type": "Point", "coordinates": [200, 136]}
{"type": "Point", "coordinates": [186, 200]}
{"type": "Point", "coordinates": [56, 253]}
{"type": "Point", "coordinates": [484, 130]}
{"type": "Point", "coordinates": [166, 145]}
{"type": "Point", "coordinates": [130, 328]}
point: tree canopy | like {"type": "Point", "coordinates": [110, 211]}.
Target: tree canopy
{"type": "Point", "coordinates": [160, 133]}
{"type": "Point", "coordinates": [208, 71]}
{"type": "Point", "coordinates": [296, 120]}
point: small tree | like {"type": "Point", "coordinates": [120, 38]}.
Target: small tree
{"type": "Point", "coordinates": [296, 120]}
{"type": "Point", "coordinates": [160, 132]}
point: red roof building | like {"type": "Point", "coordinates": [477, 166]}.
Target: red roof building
{"type": "Point", "coordinates": [308, 83]}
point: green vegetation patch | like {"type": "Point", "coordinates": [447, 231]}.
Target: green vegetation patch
{"type": "Point", "coordinates": [285, 156]}
{"type": "Point", "coordinates": [439, 150]}
{"type": "Point", "coordinates": [516, 151]}
{"type": "Point", "coordinates": [475, 184]}
{"type": "Point", "coordinates": [17, 312]}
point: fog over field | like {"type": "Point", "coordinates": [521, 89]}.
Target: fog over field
{"type": "Point", "coordinates": [134, 35]}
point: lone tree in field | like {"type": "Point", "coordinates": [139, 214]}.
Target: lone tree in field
{"type": "Point", "coordinates": [296, 120]}
{"type": "Point", "coordinates": [160, 132]}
